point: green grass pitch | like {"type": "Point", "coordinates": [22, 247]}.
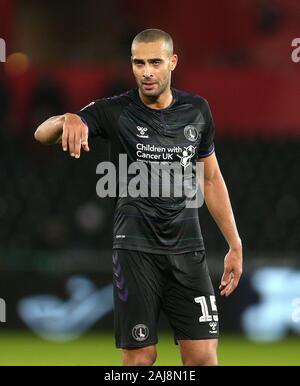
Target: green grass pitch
{"type": "Point", "coordinates": [97, 349]}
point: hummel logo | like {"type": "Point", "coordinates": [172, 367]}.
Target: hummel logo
{"type": "Point", "coordinates": [142, 131]}
{"type": "Point", "coordinates": [213, 326]}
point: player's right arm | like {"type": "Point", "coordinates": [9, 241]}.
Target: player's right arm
{"type": "Point", "coordinates": [67, 129]}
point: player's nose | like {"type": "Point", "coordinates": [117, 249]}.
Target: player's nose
{"type": "Point", "coordinates": [147, 72]}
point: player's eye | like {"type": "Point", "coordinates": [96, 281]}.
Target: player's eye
{"type": "Point", "coordinates": [139, 64]}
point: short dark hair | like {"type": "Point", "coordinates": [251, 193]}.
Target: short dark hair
{"type": "Point", "coordinates": [152, 35]}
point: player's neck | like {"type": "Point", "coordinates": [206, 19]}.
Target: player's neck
{"type": "Point", "coordinates": [162, 101]}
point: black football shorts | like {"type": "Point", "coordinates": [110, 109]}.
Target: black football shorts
{"type": "Point", "coordinates": [178, 284]}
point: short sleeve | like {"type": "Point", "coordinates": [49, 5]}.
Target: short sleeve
{"type": "Point", "coordinates": [94, 115]}
{"type": "Point", "coordinates": [207, 146]}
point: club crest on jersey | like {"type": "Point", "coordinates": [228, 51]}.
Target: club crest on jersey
{"type": "Point", "coordinates": [191, 133]}
{"type": "Point", "coordinates": [142, 132]}
{"type": "Point", "coordinates": [187, 155]}
{"type": "Point", "coordinates": [140, 332]}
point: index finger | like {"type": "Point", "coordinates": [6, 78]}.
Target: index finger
{"type": "Point", "coordinates": [224, 289]}
{"type": "Point", "coordinates": [232, 286]}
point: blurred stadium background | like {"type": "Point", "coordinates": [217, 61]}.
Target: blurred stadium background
{"type": "Point", "coordinates": [55, 234]}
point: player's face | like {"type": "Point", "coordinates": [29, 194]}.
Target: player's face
{"type": "Point", "coordinates": [152, 64]}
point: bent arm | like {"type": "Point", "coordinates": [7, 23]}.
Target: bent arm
{"type": "Point", "coordinates": [50, 131]}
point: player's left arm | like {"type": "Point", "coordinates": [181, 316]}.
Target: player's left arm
{"type": "Point", "coordinates": [218, 203]}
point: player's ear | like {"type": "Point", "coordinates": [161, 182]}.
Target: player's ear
{"type": "Point", "coordinates": [174, 61]}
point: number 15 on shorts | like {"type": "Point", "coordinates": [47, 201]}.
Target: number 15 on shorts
{"type": "Point", "coordinates": [206, 316]}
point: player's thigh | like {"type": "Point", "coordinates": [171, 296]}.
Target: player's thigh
{"type": "Point", "coordinates": [202, 352]}
{"type": "Point", "coordinates": [137, 299]}
{"type": "Point", "coordinates": [189, 300]}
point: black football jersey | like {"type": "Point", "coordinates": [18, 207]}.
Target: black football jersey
{"type": "Point", "coordinates": [154, 219]}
